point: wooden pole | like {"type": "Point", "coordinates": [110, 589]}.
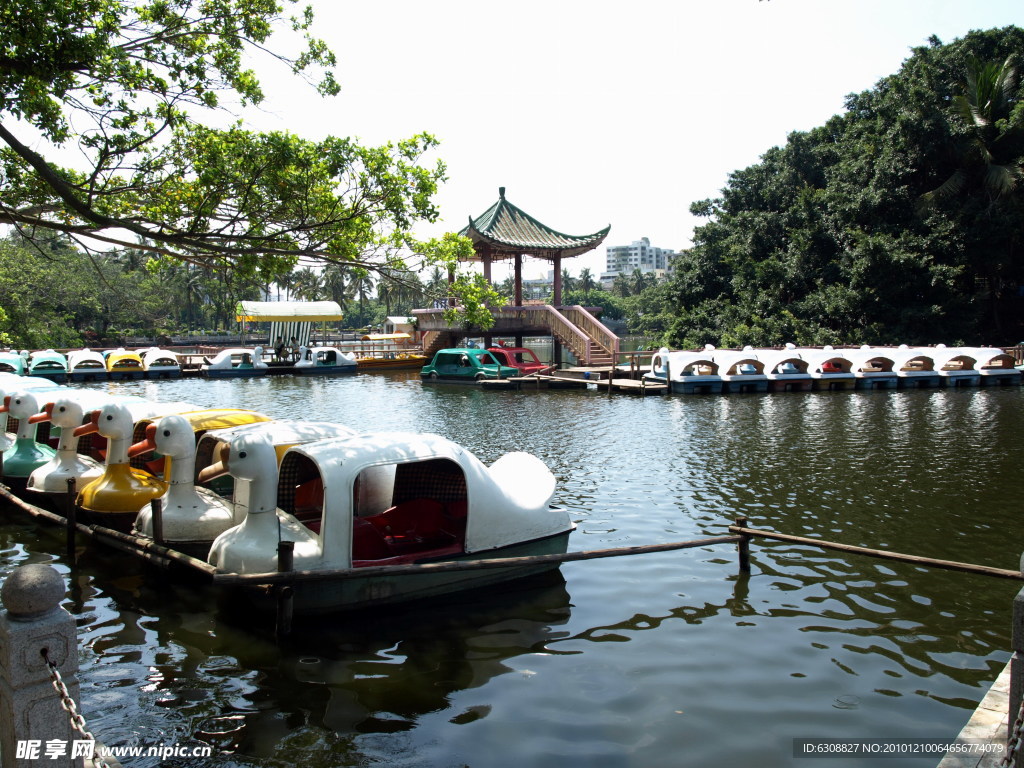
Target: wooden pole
{"type": "Point", "coordinates": [463, 565]}
{"type": "Point", "coordinates": [928, 562]}
{"type": "Point", "coordinates": [157, 507]}
{"type": "Point", "coordinates": [1017, 660]}
{"type": "Point", "coordinates": [744, 546]}
{"type": "Point", "coordinates": [71, 513]}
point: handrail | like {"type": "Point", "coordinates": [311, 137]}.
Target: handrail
{"type": "Point", "coordinates": [594, 328]}
{"type": "Point", "coordinates": [571, 335]}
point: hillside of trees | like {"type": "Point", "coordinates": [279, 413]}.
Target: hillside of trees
{"type": "Point", "coordinates": [900, 220]}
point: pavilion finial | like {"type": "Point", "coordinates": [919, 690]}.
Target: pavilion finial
{"type": "Point", "coordinates": [501, 192]}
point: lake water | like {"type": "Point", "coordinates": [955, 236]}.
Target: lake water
{"type": "Point", "coordinates": [670, 659]}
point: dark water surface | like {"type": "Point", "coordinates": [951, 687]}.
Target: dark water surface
{"type": "Point", "coordinates": [669, 659]}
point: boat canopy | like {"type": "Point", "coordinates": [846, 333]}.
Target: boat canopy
{"type": "Point", "coordinates": [287, 311]}
{"type": "Point", "coordinates": [288, 319]}
{"type": "Point", "coordinates": [366, 474]}
{"type": "Point", "coordinates": [862, 358]}
{"type": "Point", "coordinates": [730, 360]}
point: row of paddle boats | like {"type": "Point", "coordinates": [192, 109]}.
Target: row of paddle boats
{"type": "Point", "coordinates": [158, 363]}
{"type": "Point", "coordinates": [792, 368]}
{"type": "Point", "coordinates": [91, 365]}
{"type": "Point", "coordinates": [230, 485]}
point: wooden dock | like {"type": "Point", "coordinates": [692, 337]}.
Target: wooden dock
{"type": "Point", "coordinates": [579, 378]}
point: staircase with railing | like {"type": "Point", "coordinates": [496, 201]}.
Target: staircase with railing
{"type": "Point", "coordinates": [576, 328]}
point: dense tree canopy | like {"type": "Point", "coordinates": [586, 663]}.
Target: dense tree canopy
{"type": "Point", "coordinates": [899, 220]}
{"type": "Point", "coordinates": [108, 115]}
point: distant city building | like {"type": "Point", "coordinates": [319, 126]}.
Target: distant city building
{"type": "Point", "coordinates": [640, 254]}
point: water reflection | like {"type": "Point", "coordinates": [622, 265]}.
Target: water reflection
{"type": "Point", "coordinates": [621, 662]}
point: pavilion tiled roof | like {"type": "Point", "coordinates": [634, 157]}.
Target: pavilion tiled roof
{"type": "Point", "coordinates": [505, 230]}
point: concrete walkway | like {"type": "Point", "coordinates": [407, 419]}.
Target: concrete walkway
{"type": "Point", "coordinates": [988, 723]}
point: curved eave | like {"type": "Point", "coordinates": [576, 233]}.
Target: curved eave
{"type": "Point", "coordinates": [505, 248]}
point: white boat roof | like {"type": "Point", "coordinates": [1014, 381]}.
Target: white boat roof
{"type": "Point", "coordinates": [287, 311]}
{"type": "Point", "coordinates": [285, 431]}
{"type": "Point", "coordinates": [861, 356]}
{"type": "Point", "coordinates": [155, 353]}
{"type": "Point", "coordinates": [507, 503]}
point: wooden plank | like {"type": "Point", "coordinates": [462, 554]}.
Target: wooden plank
{"type": "Point", "coordinates": [464, 565]}
{"type": "Point", "coordinates": [928, 562]}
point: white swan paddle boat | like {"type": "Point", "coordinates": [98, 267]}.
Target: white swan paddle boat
{"type": "Point", "coordinates": [49, 482]}
{"type": "Point", "coordinates": [235, 362]}
{"type": "Point", "coordinates": [158, 363]}
{"type": "Point", "coordinates": [385, 499]}
{"type": "Point", "coordinates": [49, 364]}
{"type": "Point", "coordinates": [324, 361]}
{"type": "Point", "coordinates": [741, 370]}
{"type": "Point", "coordinates": [686, 372]}
{"type": "Point", "coordinates": [26, 454]}
{"type": "Point", "coordinates": [86, 365]}
{"type": "Point", "coordinates": [191, 517]}
{"type": "Point", "coordinates": [115, 497]}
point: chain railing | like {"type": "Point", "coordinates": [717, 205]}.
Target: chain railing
{"type": "Point", "coordinates": [67, 703]}
{"type": "Point", "coordinates": [1014, 740]}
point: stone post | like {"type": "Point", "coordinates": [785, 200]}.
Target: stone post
{"type": "Point", "coordinates": [30, 709]}
{"type": "Point", "coordinates": [1017, 660]}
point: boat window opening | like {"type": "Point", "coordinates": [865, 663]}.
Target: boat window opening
{"type": "Point", "coordinates": [300, 490]}
{"type": "Point", "coordinates": [426, 515]}
{"type": "Point", "coordinates": [223, 485]}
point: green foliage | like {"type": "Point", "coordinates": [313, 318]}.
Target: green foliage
{"type": "Point", "coordinates": [897, 221]}
{"type": "Point", "coordinates": [126, 85]}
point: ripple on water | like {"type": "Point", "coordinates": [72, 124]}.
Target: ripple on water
{"type": "Point", "coordinates": [667, 659]}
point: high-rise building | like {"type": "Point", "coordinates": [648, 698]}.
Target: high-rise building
{"type": "Point", "coordinates": [640, 254]}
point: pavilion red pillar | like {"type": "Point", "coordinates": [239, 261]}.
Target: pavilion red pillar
{"type": "Point", "coordinates": [558, 281]}
{"type": "Point", "coordinates": [519, 280]}
{"type": "Point", "coordinates": [451, 282]}
{"type": "Point", "coordinates": [487, 266]}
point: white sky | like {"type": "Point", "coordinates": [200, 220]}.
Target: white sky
{"type": "Point", "coordinates": [595, 112]}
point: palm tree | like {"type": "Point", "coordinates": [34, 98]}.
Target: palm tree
{"type": "Point", "coordinates": [988, 160]}
{"type": "Point", "coordinates": [308, 284]}
{"type": "Point", "coordinates": [586, 280]}
{"type": "Point", "coordinates": [568, 281]}
{"type": "Point", "coordinates": [988, 172]}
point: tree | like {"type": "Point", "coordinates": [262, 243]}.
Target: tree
{"type": "Point", "coordinates": [586, 281]}
{"type": "Point", "coordinates": [825, 240]}
{"type": "Point", "coordinates": [125, 86]}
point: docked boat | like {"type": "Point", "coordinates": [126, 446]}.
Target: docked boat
{"type": "Point", "coordinates": [372, 501]}
{"type": "Point", "coordinates": [158, 363]}
{"type": "Point", "coordinates": [123, 364]}
{"type": "Point", "coordinates": [829, 368]}
{"type": "Point", "coordinates": [995, 366]}
{"type": "Point", "coordinates": [956, 366]}
{"type": "Point", "coordinates": [49, 481]}
{"type": "Point", "coordinates": [785, 370]}
{"type": "Point", "coordinates": [26, 454]}
{"type": "Point", "coordinates": [235, 362]}
{"type": "Point", "coordinates": [465, 364]}
{"type": "Point", "coordinates": [324, 361]}
{"type": "Point", "coordinates": [86, 365]}
{"type": "Point", "coordinates": [871, 368]}
{"type": "Point", "coordinates": [741, 371]}
{"type": "Point", "coordinates": [13, 362]}
{"type": "Point", "coordinates": [49, 364]}
{"type": "Point", "coordinates": [915, 367]}
{"type": "Point", "coordinates": [523, 358]}
{"type": "Point", "coordinates": [200, 421]}
{"type": "Point", "coordinates": [114, 499]}
{"type": "Point", "coordinates": [190, 517]}
{"type": "Point", "coordinates": [686, 372]}
{"type": "Point", "coordinates": [283, 434]}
